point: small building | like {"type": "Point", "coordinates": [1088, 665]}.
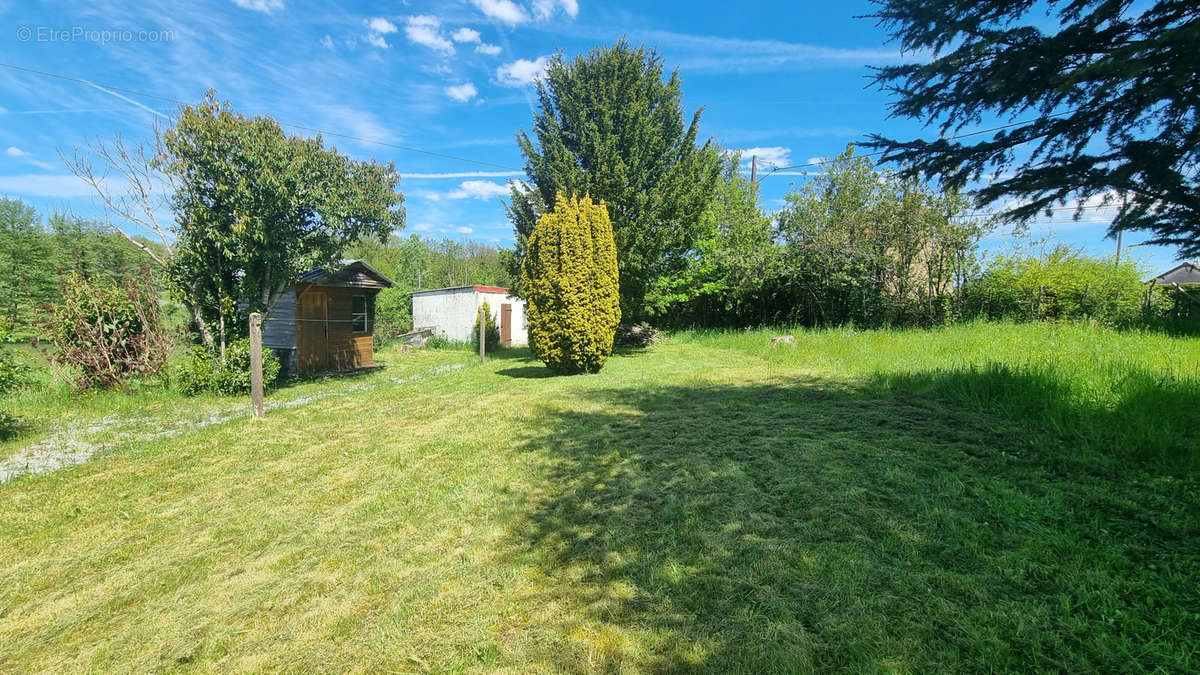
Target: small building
{"type": "Point", "coordinates": [1184, 273]}
{"type": "Point", "coordinates": [327, 321]}
{"type": "Point", "coordinates": [452, 312]}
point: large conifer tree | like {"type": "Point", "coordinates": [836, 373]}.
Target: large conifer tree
{"type": "Point", "coordinates": [612, 127]}
{"type": "Point", "coordinates": [1112, 87]}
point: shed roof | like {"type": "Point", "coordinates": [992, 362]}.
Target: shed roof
{"type": "Point", "coordinates": [348, 273]}
{"type": "Point", "coordinates": [477, 287]}
{"type": "Point", "coordinates": [1183, 273]}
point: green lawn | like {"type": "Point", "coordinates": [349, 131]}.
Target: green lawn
{"type": "Point", "coordinates": [980, 497]}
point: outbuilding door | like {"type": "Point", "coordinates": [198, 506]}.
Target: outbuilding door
{"type": "Point", "coordinates": [506, 324]}
{"type": "Point", "coordinates": [312, 344]}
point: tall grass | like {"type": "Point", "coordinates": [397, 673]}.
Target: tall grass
{"type": "Point", "coordinates": [1111, 394]}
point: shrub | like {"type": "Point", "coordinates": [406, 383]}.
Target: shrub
{"type": "Point", "coordinates": [10, 425]}
{"type": "Point", "coordinates": [569, 275]}
{"type": "Point", "coordinates": [13, 373]}
{"type": "Point", "coordinates": [1058, 285]}
{"type": "Point", "coordinates": [110, 332]}
{"type": "Point", "coordinates": [491, 334]}
{"type": "Point", "coordinates": [205, 372]}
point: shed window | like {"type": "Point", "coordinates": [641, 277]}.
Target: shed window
{"type": "Point", "coordinates": [359, 311]}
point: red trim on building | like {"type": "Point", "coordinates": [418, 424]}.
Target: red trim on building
{"type": "Point", "coordinates": [490, 289]}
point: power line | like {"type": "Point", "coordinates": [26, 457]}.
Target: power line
{"type": "Point", "coordinates": [407, 148]}
{"type": "Point", "coordinates": [948, 138]}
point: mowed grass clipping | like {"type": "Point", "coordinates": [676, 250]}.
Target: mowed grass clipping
{"type": "Point", "coordinates": [711, 503]}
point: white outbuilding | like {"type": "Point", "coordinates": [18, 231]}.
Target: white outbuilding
{"type": "Point", "coordinates": [452, 312]}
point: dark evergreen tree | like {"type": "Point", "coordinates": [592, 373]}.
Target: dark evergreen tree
{"type": "Point", "coordinates": [610, 126]}
{"type": "Point", "coordinates": [1112, 89]}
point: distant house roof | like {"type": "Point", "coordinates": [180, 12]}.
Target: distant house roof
{"type": "Point", "coordinates": [348, 273]}
{"type": "Point", "coordinates": [476, 287]}
{"type": "Point", "coordinates": [1183, 273]}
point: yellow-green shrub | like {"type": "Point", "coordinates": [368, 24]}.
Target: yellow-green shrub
{"type": "Point", "coordinates": [569, 275]}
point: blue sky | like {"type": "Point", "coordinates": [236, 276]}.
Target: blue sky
{"type": "Point", "coordinates": [789, 80]}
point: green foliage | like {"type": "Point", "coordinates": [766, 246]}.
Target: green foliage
{"type": "Point", "coordinates": [872, 248]}
{"type": "Point", "coordinates": [205, 372]}
{"type": "Point", "coordinates": [34, 254]}
{"type": "Point", "coordinates": [110, 333]}
{"type": "Point", "coordinates": [13, 373]}
{"type": "Point", "coordinates": [491, 332]}
{"type": "Point", "coordinates": [416, 263]}
{"type": "Point", "coordinates": [1105, 84]}
{"type": "Point", "coordinates": [725, 280]}
{"type": "Point", "coordinates": [611, 127]}
{"type": "Point", "coordinates": [11, 425]}
{"type": "Point", "coordinates": [257, 208]}
{"type": "Point", "coordinates": [571, 286]}
{"type": "Point", "coordinates": [1060, 284]}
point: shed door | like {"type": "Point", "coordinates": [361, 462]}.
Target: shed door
{"type": "Point", "coordinates": [506, 324]}
{"type": "Point", "coordinates": [312, 319]}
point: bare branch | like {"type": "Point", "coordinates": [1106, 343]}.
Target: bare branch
{"type": "Point", "coordinates": [143, 190]}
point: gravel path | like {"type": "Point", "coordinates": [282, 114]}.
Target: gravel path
{"type": "Point", "coordinates": [70, 445]}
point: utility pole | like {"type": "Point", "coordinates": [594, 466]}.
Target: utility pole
{"type": "Point", "coordinates": [1119, 233]}
{"type": "Point", "coordinates": [753, 168]}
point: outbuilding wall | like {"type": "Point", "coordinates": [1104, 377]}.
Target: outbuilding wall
{"type": "Point", "coordinates": [452, 312]}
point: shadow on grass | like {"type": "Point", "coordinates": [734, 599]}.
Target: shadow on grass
{"type": "Point", "coordinates": [803, 526]}
{"type": "Point", "coordinates": [528, 372]}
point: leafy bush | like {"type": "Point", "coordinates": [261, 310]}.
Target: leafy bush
{"type": "Point", "coordinates": [393, 315]}
{"type": "Point", "coordinates": [491, 333]}
{"type": "Point", "coordinates": [110, 332]}
{"type": "Point", "coordinates": [205, 372]}
{"type": "Point", "coordinates": [1058, 285]}
{"type": "Point", "coordinates": [570, 279]}
{"type": "Point", "coordinates": [13, 373]}
{"type": "Point", "coordinates": [10, 425]}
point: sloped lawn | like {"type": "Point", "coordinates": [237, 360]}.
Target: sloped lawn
{"type": "Point", "coordinates": [865, 501]}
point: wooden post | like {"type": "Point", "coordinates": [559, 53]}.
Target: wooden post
{"type": "Point", "coordinates": [256, 364]}
{"type": "Point", "coordinates": [482, 331]}
{"type": "Point", "coordinates": [753, 168]}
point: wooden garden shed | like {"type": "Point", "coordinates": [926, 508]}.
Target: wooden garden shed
{"type": "Point", "coordinates": [326, 323]}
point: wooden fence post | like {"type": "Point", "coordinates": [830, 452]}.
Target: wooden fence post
{"type": "Point", "coordinates": [256, 364]}
{"type": "Point", "coordinates": [482, 331]}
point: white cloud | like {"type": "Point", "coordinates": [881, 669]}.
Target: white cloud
{"type": "Point", "coordinates": [464, 229]}
{"type": "Point", "coordinates": [376, 29]}
{"type": "Point", "coordinates": [490, 50]}
{"type": "Point", "coordinates": [465, 35]}
{"type": "Point", "coordinates": [544, 9]}
{"type": "Point", "coordinates": [462, 92]}
{"type": "Point", "coordinates": [521, 72]}
{"type": "Point", "coordinates": [479, 189]}
{"type": "Point", "coordinates": [3, 110]}
{"type": "Point", "coordinates": [482, 190]}
{"type": "Point", "coordinates": [425, 30]}
{"type": "Point", "coordinates": [264, 6]}
{"type": "Point", "coordinates": [382, 26]}
{"type": "Point", "coordinates": [327, 42]}
{"type": "Point", "coordinates": [505, 11]}
{"type": "Point", "coordinates": [14, 151]}
{"type": "Point", "coordinates": [773, 156]}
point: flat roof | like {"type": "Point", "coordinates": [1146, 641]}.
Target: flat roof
{"type": "Point", "coordinates": [476, 287]}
